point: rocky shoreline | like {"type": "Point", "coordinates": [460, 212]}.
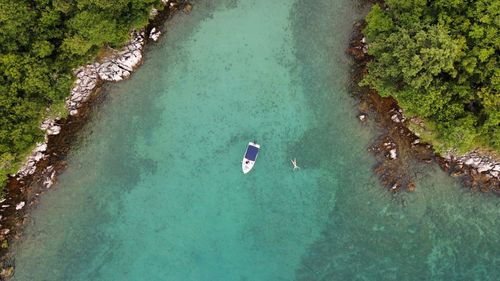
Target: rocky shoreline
{"type": "Point", "coordinates": [398, 147]}
{"type": "Point", "coordinates": [47, 160]}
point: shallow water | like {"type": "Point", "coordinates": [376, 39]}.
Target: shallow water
{"type": "Point", "coordinates": [154, 189]}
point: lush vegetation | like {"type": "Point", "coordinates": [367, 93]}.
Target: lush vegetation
{"type": "Point", "coordinates": [439, 60]}
{"type": "Point", "coordinates": [41, 42]}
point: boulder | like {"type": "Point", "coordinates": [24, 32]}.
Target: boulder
{"type": "Point", "coordinates": [154, 34]}
{"type": "Point", "coordinates": [187, 8]}
{"type": "Point", "coordinates": [41, 147]}
{"type": "Point", "coordinates": [484, 167]}
{"type": "Point", "coordinates": [54, 130]}
{"type": "Point", "coordinates": [20, 205]}
{"type": "Point", "coordinates": [38, 156]}
{"type": "Point", "coordinates": [395, 118]}
{"type": "Point", "coordinates": [49, 181]}
{"type": "Point", "coordinates": [393, 153]}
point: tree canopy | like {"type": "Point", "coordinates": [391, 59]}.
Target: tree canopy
{"type": "Point", "coordinates": [439, 60]}
{"type": "Point", "coordinates": [41, 42]}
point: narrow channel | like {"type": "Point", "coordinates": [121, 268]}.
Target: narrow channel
{"type": "Point", "coordinates": [154, 188]}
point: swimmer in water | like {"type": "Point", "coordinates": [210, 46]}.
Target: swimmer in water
{"type": "Point", "coordinates": [294, 163]}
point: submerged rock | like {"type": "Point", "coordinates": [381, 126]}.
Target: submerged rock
{"type": "Point", "coordinates": [411, 186]}
{"type": "Point", "coordinates": [49, 180]}
{"type": "Point", "coordinates": [395, 187]}
{"type": "Point", "coordinates": [7, 272]}
{"type": "Point", "coordinates": [187, 8]}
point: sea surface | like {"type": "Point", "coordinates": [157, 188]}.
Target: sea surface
{"type": "Point", "coordinates": [154, 188]}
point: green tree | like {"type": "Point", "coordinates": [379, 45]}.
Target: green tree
{"type": "Point", "coordinates": [439, 60]}
{"type": "Point", "coordinates": [41, 42]}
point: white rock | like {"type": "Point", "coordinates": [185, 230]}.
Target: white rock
{"type": "Point", "coordinates": [395, 118]}
{"type": "Point", "coordinates": [125, 66]}
{"type": "Point", "coordinates": [362, 117]}
{"type": "Point", "coordinates": [38, 156]}
{"type": "Point", "coordinates": [393, 153]}
{"type": "Point", "coordinates": [30, 169]}
{"type": "Point", "coordinates": [20, 205]}
{"type": "Point", "coordinates": [116, 77]}
{"type": "Point", "coordinates": [48, 182]}
{"type": "Point", "coordinates": [41, 147]}
{"type": "Point", "coordinates": [54, 130]}
{"type": "Point", "coordinates": [46, 124]}
{"type": "Point", "coordinates": [114, 68]}
{"type": "Point", "coordinates": [485, 167]}
{"type": "Point", "coordinates": [105, 65]}
{"type": "Point", "coordinates": [154, 34]}
{"type": "Point", "coordinates": [137, 54]}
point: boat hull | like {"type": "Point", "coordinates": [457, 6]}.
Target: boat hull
{"type": "Point", "coordinates": [247, 166]}
{"type": "Point", "coordinates": [250, 157]}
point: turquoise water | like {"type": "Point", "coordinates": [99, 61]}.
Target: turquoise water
{"type": "Point", "coordinates": [154, 189]}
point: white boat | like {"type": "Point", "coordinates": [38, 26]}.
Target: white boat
{"type": "Point", "coordinates": [250, 157]}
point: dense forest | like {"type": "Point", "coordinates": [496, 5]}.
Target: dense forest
{"type": "Point", "coordinates": [439, 60]}
{"type": "Point", "coordinates": [41, 42]}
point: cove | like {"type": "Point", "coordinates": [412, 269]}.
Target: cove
{"type": "Point", "coordinates": [154, 188]}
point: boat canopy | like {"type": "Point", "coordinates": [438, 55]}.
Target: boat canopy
{"type": "Point", "coordinates": [251, 153]}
